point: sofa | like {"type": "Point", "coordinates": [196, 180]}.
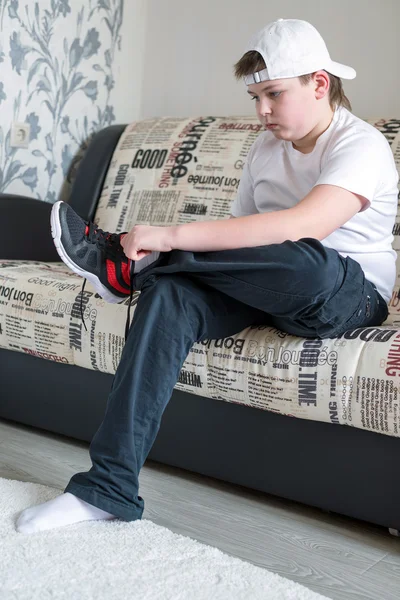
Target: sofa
{"type": "Point", "coordinates": [314, 421]}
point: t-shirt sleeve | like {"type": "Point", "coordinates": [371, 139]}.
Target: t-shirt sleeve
{"type": "Point", "coordinates": [244, 205]}
{"type": "Point", "coordinates": [355, 164]}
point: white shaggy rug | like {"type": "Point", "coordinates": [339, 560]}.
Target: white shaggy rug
{"type": "Point", "coordinates": [106, 560]}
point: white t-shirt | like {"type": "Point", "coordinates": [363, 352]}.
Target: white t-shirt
{"type": "Point", "coordinates": [351, 154]}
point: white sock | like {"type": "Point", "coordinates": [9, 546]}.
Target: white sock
{"type": "Point", "coordinates": [145, 261]}
{"type": "Point", "coordinates": [63, 510]}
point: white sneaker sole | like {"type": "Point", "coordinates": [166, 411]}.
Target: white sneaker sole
{"type": "Point", "coordinates": [94, 280]}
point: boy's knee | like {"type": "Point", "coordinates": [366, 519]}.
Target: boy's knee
{"type": "Point", "coordinates": [322, 267]}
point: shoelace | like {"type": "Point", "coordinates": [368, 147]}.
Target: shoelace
{"type": "Point", "coordinates": [114, 249]}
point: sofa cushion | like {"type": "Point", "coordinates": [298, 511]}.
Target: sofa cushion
{"type": "Point", "coordinates": [332, 380]}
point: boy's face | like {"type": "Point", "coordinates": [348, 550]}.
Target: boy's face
{"type": "Point", "coordinates": [294, 108]}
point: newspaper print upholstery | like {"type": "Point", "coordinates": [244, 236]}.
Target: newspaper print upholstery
{"type": "Point", "coordinates": [167, 171]}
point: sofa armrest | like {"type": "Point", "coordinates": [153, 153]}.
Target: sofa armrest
{"type": "Point", "coordinates": [92, 171]}
{"type": "Point", "coordinates": [25, 229]}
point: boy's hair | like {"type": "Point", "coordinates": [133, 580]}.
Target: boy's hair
{"type": "Point", "coordinates": [252, 61]}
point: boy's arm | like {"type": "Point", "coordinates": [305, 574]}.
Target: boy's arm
{"type": "Point", "coordinates": [317, 215]}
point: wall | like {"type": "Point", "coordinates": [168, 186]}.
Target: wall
{"type": "Point", "coordinates": [129, 62]}
{"type": "Point", "coordinates": [191, 47]}
{"type": "Point", "coordinates": [66, 72]}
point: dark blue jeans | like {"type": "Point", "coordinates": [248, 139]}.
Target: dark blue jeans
{"type": "Point", "coordinates": [299, 287]}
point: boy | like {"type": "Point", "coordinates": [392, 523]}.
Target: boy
{"type": "Point", "coordinates": [309, 252]}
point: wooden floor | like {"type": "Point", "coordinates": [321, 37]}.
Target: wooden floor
{"type": "Point", "coordinates": [338, 557]}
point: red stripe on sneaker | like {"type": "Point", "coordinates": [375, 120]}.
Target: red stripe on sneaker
{"type": "Point", "coordinates": [126, 272]}
{"type": "Point", "coordinates": [112, 277]}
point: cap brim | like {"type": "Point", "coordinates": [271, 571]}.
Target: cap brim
{"type": "Point", "coordinates": [341, 70]}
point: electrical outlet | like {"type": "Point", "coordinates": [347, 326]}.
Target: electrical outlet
{"type": "Point", "coordinates": [20, 135]}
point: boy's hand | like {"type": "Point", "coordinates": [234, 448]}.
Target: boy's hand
{"type": "Point", "coordinates": [143, 239]}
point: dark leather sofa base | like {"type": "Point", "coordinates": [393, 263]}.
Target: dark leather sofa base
{"type": "Point", "coordinates": [334, 467]}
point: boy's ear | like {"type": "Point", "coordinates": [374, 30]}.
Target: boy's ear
{"type": "Point", "coordinates": [321, 83]}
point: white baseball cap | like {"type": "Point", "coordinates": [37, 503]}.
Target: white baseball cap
{"type": "Point", "coordinates": [291, 48]}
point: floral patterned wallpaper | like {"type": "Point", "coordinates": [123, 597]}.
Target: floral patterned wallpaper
{"type": "Point", "coordinates": [56, 73]}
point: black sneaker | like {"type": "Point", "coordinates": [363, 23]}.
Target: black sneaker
{"type": "Point", "coordinates": [94, 254]}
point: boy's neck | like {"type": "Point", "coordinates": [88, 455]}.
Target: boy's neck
{"type": "Point", "coordinates": [307, 144]}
